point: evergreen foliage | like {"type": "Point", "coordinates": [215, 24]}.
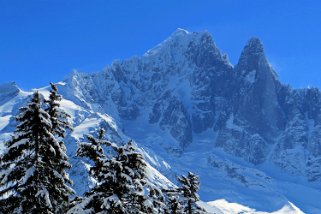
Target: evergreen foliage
{"type": "Point", "coordinates": [59, 124]}
{"type": "Point", "coordinates": [32, 176]}
{"type": "Point", "coordinates": [121, 185]}
{"type": "Point", "coordinates": [58, 117]}
{"type": "Point", "coordinates": [189, 187]}
{"type": "Point", "coordinates": [173, 204]}
{"type": "Point", "coordinates": [157, 198]}
{"type": "Point", "coordinates": [105, 195]}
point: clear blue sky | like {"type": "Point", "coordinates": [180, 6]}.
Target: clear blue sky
{"type": "Point", "coordinates": [42, 41]}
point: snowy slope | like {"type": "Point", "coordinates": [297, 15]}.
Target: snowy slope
{"type": "Point", "coordinates": [233, 208]}
{"type": "Point", "coordinates": [253, 141]}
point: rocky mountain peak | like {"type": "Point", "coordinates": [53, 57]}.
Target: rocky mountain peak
{"type": "Point", "coordinates": [254, 47]}
{"type": "Point", "coordinates": [8, 89]}
{"type": "Point", "coordinates": [252, 54]}
{"type": "Point", "coordinates": [180, 32]}
{"type": "Point", "coordinates": [258, 87]}
{"type": "Point", "coordinates": [184, 103]}
{"type": "Point", "coordinates": [178, 40]}
{"type": "Point", "coordinates": [182, 44]}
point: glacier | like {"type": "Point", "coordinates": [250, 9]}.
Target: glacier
{"type": "Point", "coordinates": [255, 142]}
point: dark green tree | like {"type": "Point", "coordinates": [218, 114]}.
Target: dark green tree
{"type": "Point", "coordinates": [59, 118]}
{"type": "Point", "coordinates": [174, 205]}
{"type": "Point", "coordinates": [29, 174]}
{"type": "Point", "coordinates": [107, 194]}
{"type": "Point", "coordinates": [59, 125]}
{"type": "Point", "coordinates": [120, 180]}
{"type": "Point", "coordinates": [189, 187]}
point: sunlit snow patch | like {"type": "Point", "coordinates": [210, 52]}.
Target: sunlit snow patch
{"type": "Point", "coordinates": [4, 121]}
{"type": "Point", "coordinates": [234, 208]}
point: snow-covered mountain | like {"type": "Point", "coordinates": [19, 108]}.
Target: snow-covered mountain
{"type": "Point", "coordinates": [253, 140]}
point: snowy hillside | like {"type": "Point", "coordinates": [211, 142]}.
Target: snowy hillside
{"type": "Point", "coordinates": [254, 142]}
{"type": "Point", "coordinates": [234, 208]}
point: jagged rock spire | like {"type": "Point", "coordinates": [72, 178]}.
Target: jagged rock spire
{"type": "Point", "coordinates": [252, 53]}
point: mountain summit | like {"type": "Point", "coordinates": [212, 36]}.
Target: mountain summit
{"type": "Point", "coordinates": [251, 54]}
{"type": "Point", "coordinates": [183, 102]}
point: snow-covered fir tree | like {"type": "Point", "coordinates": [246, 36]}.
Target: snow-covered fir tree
{"type": "Point", "coordinates": [59, 125]}
{"type": "Point", "coordinates": [58, 117]}
{"type": "Point", "coordinates": [106, 195]}
{"type": "Point", "coordinates": [157, 198]}
{"type": "Point", "coordinates": [120, 180]}
{"type": "Point", "coordinates": [189, 187]}
{"type": "Point", "coordinates": [173, 204]}
{"type": "Point", "coordinates": [30, 178]}
{"type": "Point", "coordinates": [143, 196]}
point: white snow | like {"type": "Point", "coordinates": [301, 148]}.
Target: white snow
{"type": "Point", "coordinates": [235, 208]}
{"type": "Point", "coordinates": [88, 123]}
{"type": "Point", "coordinates": [4, 121]}
{"type": "Point", "coordinates": [179, 33]}
{"type": "Point", "coordinates": [231, 125]}
{"type": "Point", "coordinates": [157, 178]}
{"type": "Point", "coordinates": [166, 164]}
{"type": "Point", "coordinates": [250, 76]}
{"type": "Point", "coordinates": [209, 208]}
{"type": "Point", "coordinates": [8, 106]}
{"type": "Point", "coordinates": [109, 120]}
{"type": "Point", "coordinates": [29, 173]}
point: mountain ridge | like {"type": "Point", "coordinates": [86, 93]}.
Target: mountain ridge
{"type": "Point", "coordinates": [191, 109]}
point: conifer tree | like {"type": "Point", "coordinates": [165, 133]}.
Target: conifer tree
{"type": "Point", "coordinates": [173, 203]}
{"type": "Point", "coordinates": [58, 117]}
{"type": "Point", "coordinates": [30, 181]}
{"type": "Point", "coordinates": [59, 124]}
{"type": "Point", "coordinates": [142, 196]}
{"type": "Point", "coordinates": [120, 180]}
{"type": "Point", "coordinates": [189, 187]}
{"type": "Point", "coordinates": [158, 200]}
{"type": "Point", "coordinates": [134, 166]}
{"type": "Point", "coordinates": [106, 195]}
